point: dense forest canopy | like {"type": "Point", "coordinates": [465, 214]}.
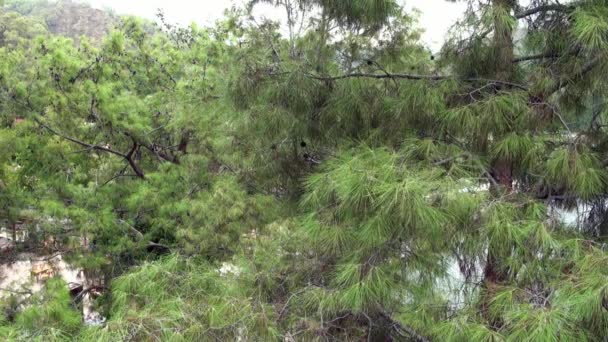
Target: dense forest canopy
{"type": "Point", "coordinates": [329, 179]}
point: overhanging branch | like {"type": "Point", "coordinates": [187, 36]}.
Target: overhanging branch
{"type": "Point", "coordinates": [417, 77]}
{"type": "Point", "coordinates": [544, 8]}
{"type": "Point", "coordinates": [160, 154]}
{"type": "Point", "coordinates": [381, 76]}
{"type": "Point", "coordinates": [587, 68]}
{"type": "Point", "coordinates": [403, 330]}
{"type": "Point", "coordinates": [81, 143]}
{"type": "Point", "coordinates": [128, 156]}
{"type": "Point", "coordinates": [535, 57]}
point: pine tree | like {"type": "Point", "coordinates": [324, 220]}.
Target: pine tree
{"type": "Point", "coordinates": [337, 183]}
{"type": "Point", "coordinates": [489, 113]}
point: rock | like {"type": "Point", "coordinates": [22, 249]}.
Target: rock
{"type": "Point", "coordinates": [94, 319]}
{"type": "Point", "coordinates": [228, 268]}
{"type": "Point", "coordinates": [6, 245]}
{"type": "Point", "coordinates": [42, 271]}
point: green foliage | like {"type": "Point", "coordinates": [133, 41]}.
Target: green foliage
{"type": "Point", "coordinates": [231, 183]}
{"type": "Point", "coordinates": [50, 318]}
{"type": "Point", "coordinates": [366, 198]}
{"type": "Point", "coordinates": [577, 171]}
{"type": "Point", "coordinates": [62, 17]}
{"type": "Point", "coordinates": [18, 30]}
{"type": "Point", "coordinates": [220, 216]}
{"type": "Point", "coordinates": [591, 27]}
{"type": "Point", "coordinates": [180, 300]}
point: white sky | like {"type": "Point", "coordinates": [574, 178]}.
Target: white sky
{"type": "Point", "coordinates": [436, 17]}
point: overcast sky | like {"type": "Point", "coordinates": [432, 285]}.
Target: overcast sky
{"type": "Point", "coordinates": [437, 15]}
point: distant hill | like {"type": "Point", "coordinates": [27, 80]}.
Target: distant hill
{"type": "Point", "coordinates": [66, 17]}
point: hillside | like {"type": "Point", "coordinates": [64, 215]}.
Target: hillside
{"type": "Point", "coordinates": [66, 17]}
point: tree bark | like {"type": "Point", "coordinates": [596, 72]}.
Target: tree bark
{"type": "Point", "coordinates": [501, 169]}
{"type": "Point", "coordinates": [14, 226]}
{"type": "Point", "coordinates": [130, 159]}
{"type": "Point", "coordinates": [504, 56]}
{"type": "Point", "coordinates": [503, 40]}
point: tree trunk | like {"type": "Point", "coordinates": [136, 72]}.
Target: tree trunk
{"type": "Point", "coordinates": [502, 170]}
{"type": "Point", "coordinates": [503, 39]}
{"type": "Point", "coordinates": [323, 33]}
{"type": "Point", "coordinates": [503, 66]}
{"type": "Point", "coordinates": [14, 226]}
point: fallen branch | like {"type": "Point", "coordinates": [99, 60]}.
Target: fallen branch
{"type": "Point", "coordinates": [450, 159]}
{"type": "Point", "coordinates": [491, 178]}
{"type": "Point", "coordinates": [153, 245]}
{"type": "Point", "coordinates": [87, 290]}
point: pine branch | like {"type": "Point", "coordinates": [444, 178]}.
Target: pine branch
{"type": "Point", "coordinates": [416, 77]}
{"type": "Point", "coordinates": [588, 67]}
{"type": "Point", "coordinates": [161, 155]}
{"type": "Point", "coordinates": [545, 8]}
{"type": "Point", "coordinates": [450, 159]}
{"type": "Point", "coordinates": [153, 245]}
{"type": "Point", "coordinates": [535, 57]}
{"type": "Point", "coordinates": [404, 330]}
{"type": "Point", "coordinates": [282, 312]}
{"type": "Point", "coordinates": [128, 157]}
{"type": "Point", "coordinates": [82, 293]}
{"type": "Point", "coordinates": [381, 76]}
{"type": "Point", "coordinates": [138, 235]}
{"type": "Point", "coordinates": [120, 174]}
{"type": "Point", "coordinates": [81, 143]}
{"type": "Point", "coordinates": [138, 171]}
{"type": "Point", "coordinates": [491, 178]}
